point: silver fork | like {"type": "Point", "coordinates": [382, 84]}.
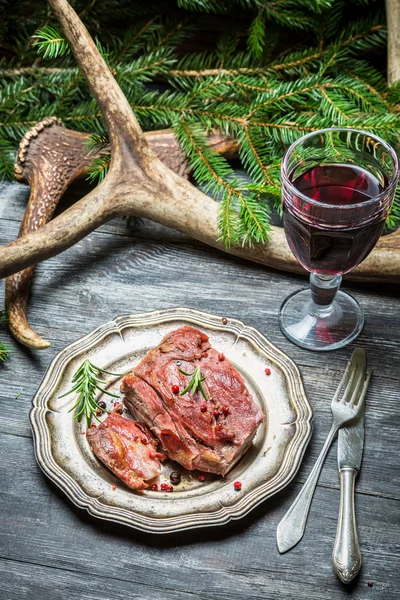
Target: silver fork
{"type": "Point", "coordinates": [291, 528]}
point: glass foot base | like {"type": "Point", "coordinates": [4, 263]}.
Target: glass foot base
{"type": "Point", "coordinates": [319, 329]}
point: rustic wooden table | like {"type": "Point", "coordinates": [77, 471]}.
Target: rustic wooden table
{"type": "Point", "coordinates": [49, 549]}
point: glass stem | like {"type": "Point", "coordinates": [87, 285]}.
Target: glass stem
{"type": "Point", "coordinates": [323, 290]}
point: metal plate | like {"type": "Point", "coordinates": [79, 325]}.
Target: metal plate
{"type": "Point", "coordinates": [271, 462]}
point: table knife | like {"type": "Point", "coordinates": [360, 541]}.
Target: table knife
{"type": "Point", "coordinates": [346, 554]}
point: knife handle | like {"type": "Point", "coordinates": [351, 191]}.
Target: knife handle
{"type": "Point", "coordinates": [346, 554]}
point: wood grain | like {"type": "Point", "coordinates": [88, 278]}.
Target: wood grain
{"type": "Point", "coordinates": [51, 550]}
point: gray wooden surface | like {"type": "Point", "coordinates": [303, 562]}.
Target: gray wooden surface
{"type": "Point", "coordinates": [49, 549]}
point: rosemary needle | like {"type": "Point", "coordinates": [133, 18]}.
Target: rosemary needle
{"type": "Point", "coordinates": [195, 382]}
{"type": "Point", "coordinates": [85, 383]}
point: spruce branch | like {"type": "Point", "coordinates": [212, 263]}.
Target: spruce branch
{"type": "Point", "coordinates": [266, 96]}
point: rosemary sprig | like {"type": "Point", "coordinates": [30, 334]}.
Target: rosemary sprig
{"type": "Point", "coordinates": [85, 383]}
{"type": "Point", "coordinates": [195, 382]}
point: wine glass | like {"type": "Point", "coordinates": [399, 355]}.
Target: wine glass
{"type": "Point", "coordinates": [337, 189]}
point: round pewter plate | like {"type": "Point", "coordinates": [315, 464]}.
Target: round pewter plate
{"type": "Point", "coordinates": [270, 463]}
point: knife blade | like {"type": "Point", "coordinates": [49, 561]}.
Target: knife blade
{"type": "Point", "coordinates": [346, 555]}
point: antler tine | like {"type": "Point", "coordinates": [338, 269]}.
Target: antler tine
{"type": "Point", "coordinates": [98, 207]}
{"type": "Point", "coordinates": [121, 123]}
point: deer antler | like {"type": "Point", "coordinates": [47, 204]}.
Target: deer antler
{"type": "Point", "coordinates": [50, 158]}
{"type": "Point", "coordinates": [139, 184]}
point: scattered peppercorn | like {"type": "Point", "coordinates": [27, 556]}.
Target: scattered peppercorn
{"type": "Point", "coordinates": [267, 371]}
{"type": "Point", "coordinates": [205, 355]}
{"type": "Point", "coordinates": [179, 362]}
{"type": "Point", "coordinates": [114, 487]}
{"type": "Point", "coordinates": [102, 404]}
{"type": "Point", "coordinates": [370, 584]}
{"type": "Point", "coordinates": [154, 487]}
{"type": "Point", "coordinates": [99, 412]}
{"type": "Point", "coordinates": [152, 454]}
{"type": "Point", "coordinates": [224, 320]}
{"type": "Point", "coordinates": [237, 485]}
{"type": "Point", "coordinates": [203, 407]}
{"type": "Point", "coordinates": [175, 389]}
{"type": "Point", "coordinates": [216, 413]}
{"type": "Point", "coordinates": [221, 357]}
{"type": "Point", "coordinates": [175, 477]}
{"type": "Point", "coordinates": [226, 410]}
{"type": "Point", "coordinates": [166, 487]}
{"type": "Point", "coordinates": [83, 432]}
{"type": "Point", "coordinates": [201, 478]}
{"type": "Point", "coordinates": [144, 440]}
{"type": "Point", "coordinates": [116, 404]}
{"type": "Point", "coordinates": [119, 408]}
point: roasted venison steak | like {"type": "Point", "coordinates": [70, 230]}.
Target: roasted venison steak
{"type": "Point", "coordinates": [208, 434]}
{"type": "Point", "coordinates": [127, 448]}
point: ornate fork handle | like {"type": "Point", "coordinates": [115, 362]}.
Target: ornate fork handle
{"type": "Point", "coordinates": [291, 528]}
{"type": "Point", "coordinates": [346, 554]}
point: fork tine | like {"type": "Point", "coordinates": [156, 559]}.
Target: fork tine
{"type": "Point", "coordinates": [349, 385]}
{"type": "Point", "coordinates": [359, 386]}
{"type": "Point", "coordinates": [363, 391]}
{"type": "Point", "coordinates": [341, 384]}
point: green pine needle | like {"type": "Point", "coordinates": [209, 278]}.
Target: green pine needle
{"type": "Point", "coordinates": [5, 352]}
{"type": "Point", "coordinates": [51, 43]}
{"type": "Point", "coordinates": [85, 382]}
{"type": "Point", "coordinates": [99, 168]}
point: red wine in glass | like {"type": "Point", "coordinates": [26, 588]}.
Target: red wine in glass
{"type": "Point", "coordinates": [322, 243]}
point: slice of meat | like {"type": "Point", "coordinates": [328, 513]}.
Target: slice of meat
{"type": "Point", "coordinates": [188, 426]}
{"type": "Point", "coordinates": [127, 448]}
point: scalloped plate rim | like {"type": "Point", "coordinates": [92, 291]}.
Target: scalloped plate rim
{"type": "Point", "coordinates": [48, 465]}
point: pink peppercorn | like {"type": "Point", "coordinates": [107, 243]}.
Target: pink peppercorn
{"type": "Point", "coordinates": [144, 440]}
{"type": "Point", "coordinates": [237, 485]}
{"type": "Point", "coordinates": [224, 320]}
{"type": "Point", "coordinates": [152, 454]}
{"type": "Point", "coordinates": [221, 357]}
{"type": "Point", "coordinates": [166, 487]}
{"type": "Point", "coordinates": [226, 410]}
{"type": "Point", "coordinates": [201, 478]}
{"type": "Point", "coordinates": [203, 407]}
{"type": "Point", "coordinates": [175, 389]}
{"type": "Point", "coordinates": [267, 371]}
{"type": "Point", "coordinates": [154, 487]}
{"type": "Point", "coordinates": [216, 413]}
{"type": "Point", "coordinates": [114, 487]}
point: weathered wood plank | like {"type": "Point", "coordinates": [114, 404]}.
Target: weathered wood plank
{"type": "Point", "coordinates": [38, 526]}
{"type": "Point", "coordinates": [50, 583]}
